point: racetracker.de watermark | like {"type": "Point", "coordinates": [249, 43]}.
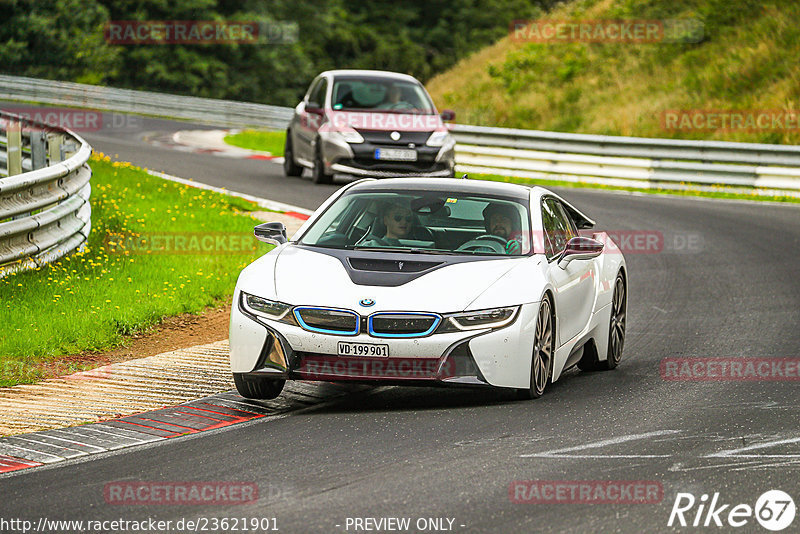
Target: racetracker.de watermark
{"type": "Point", "coordinates": [731, 120]}
{"type": "Point", "coordinates": [411, 121]}
{"type": "Point", "coordinates": [624, 31]}
{"type": "Point", "coordinates": [194, 32]}
{"type": "Point", "coordinates": [631, 241]}
{"type": "Point", "coordinates": [77, 120]}
{"type": "Point", "coordinates": [585, 492]}
{"type": "Point", "coordinates": [180, 493]}
{"type": "Point", "coordinates": [70, 370]}
{"type": "Point", "coordinates": [182, 243]}
{"type": "Point", "coordinates": [730, 369]}
{"type": "Point", "coordinates": [318, 367]}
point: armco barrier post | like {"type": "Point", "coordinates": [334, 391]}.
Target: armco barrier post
{"type": "Point", "coordinates": [14, 148]}
{"type": "Point", "coordinates": [54, 147]}
{"type": "Point", "coordinates": [38, 149]}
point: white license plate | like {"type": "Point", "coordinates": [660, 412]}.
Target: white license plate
{"type": "Point", "coordinates": [395, 154]}
{"type": "Point", "coordinates": [346, 348]}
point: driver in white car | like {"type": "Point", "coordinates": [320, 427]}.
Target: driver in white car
{"type": "Point", "coordinates": [501, 220]}
{"type": "Point", "coordinates": [398, 220]}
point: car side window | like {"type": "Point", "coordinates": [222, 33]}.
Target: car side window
{"type": "Point", "coordinates": [573, 229]}
{"type": "Point", "coordinates": [549, 224]}
{"type": "Point", "coordinates": [312, 88]}
{"type": "Point", "coordinates": [558, 228]}
{"type": "Point", "coordinates": [317, 97]}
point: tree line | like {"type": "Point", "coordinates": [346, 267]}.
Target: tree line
{"type": "Point", "coordinates": [67, 40]}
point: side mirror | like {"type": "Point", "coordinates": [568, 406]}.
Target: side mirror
{"type": "Point", "coordinates": [448, 115]}
{"type": "Point", "coordinates": [314, 108]}
{"type": "Point", "coordinates": [580, 248]}
{"type": "Point", "coordinates": [271, 232]}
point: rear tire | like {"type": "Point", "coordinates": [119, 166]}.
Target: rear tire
{"type": "Point", "coordinates": [543, 353]}
{"type": "Point", "coordinates": [290, 167]}
{"type": "Point", "coordinates": [318, 174]}
{"type": "Point", "coordinates": [257, 387]}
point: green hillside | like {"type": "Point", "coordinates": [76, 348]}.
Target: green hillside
{"type": "Point", "coordinates": [746, 59]}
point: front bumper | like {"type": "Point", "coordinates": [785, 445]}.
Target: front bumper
{"type": "Point", "coordinates": [358, 159]}
{"type": "Point", "coordinates": [474, 358]}
{"type": "Point", "coordinates": [444, 172]}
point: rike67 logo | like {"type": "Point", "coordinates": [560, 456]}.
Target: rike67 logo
{"type": "Point", "coordinates": [774, 510]}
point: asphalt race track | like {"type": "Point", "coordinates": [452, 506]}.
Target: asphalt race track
{"type": "Point", "coordinates": [722, 283]}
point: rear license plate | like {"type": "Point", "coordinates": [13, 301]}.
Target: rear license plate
{"type": "Point", "coordinates": [346, 348]}
{"type": "Point", "coordinates": [395, 154]}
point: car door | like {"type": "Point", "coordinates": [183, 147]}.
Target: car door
{"type": "Point", "coordinates": [574, 284]}
{"type": "Point", "coordinates": [309, 118]}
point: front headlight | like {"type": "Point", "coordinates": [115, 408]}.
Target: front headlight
{"type": "Point", "coordinates": [438, 138]}
{"type": "Point", "coordinates": [268, 309]}
{"type": "Point", "coordinates": [494, 318]}
{"type": "Point", "coordinates": [351, 135]}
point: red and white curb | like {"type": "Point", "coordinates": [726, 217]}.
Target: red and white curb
{"type": "Point", "coordinates": [145, 383]}
{"type": "Point", "coordinates": [208, 142]}
{"type": "Point", "coordinates": [222, 410]}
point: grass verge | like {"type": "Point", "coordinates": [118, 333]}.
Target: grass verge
{"type": "Point", "coordinates": [271, 142]}
{"type": "Point", "coordinates": [157, 249]}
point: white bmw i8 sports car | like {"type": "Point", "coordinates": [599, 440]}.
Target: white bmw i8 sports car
{"type": "Point", "coordinates": [430, 282]}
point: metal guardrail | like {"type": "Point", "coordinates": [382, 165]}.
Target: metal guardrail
{"type": "Point", "coordinates": [611, 160]}
{"type": "Point", "coordinates": [626, 161]}
{"type": "Point", "coordinates": [226, 113]}
{"type": "Point", "coordinates": [44, 193]}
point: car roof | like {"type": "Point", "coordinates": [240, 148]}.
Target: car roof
{"type": "Point", "coordinates": [413, 183]}
{"type": "Point", "coordinates": [359, 72]}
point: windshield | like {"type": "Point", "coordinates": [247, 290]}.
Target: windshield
{"type": "Point", "coordinates": [431, 222]}
{"type": "Point", "coordinates": [373, 93]}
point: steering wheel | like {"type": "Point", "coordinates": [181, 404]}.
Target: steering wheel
{"type": "Point", "coordinates": [401, 105]}
{"type": "Point", "coordinates": [494, 243]}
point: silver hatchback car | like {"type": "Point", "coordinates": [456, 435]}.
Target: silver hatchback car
{"type": "Point", "coordinates": [368, 123]}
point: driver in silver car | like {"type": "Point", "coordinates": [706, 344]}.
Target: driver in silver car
{"type": "Point", "coordinates": [503, 221]}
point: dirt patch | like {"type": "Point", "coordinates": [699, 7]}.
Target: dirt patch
{"type": "Point", "coordinates": [180, 332]}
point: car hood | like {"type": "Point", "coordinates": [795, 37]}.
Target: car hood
{"type": "Point", "coordinates": [382, 121]}
{"type": "Point", "coordinates": [305, 277]}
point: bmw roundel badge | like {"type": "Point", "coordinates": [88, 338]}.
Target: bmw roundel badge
{"type": "Point", "coordinates": [366, 302]}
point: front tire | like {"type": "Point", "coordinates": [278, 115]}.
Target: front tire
{"type": "Point", "coordinates": [257, 387]}
{"type": "Point", "coordinates": [290, 167]}
{"type": "Point", "coordinates": [616, 327]}
{"type": "Point", "coordinates": [543, 353]}
{"type": "Point", "coordinates": [318, 174]}
{"type": "Point", "coordinates": [616, 332]}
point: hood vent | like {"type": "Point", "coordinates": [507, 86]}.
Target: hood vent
{"type": "Point", "coordinates": [391, 266]}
